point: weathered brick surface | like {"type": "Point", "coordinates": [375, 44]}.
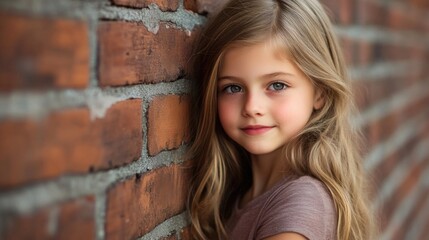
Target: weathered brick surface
{"type": "Point", "coordinates": [130, 54]}
{"type": "Point", "coordinates": [75, 220]}
{"type": "Point", "coordinates": [404, 189]}
{"type": "Point", "coordinates": [136, 205]}
{"type": "Point", "coordinates": [423, 4]}
{"type": "Point", "coordinates": [388, 124]}
{"type": "Point", "coordinates": [165, 5]}
{"type": "Point", "coordinates": [69, 142]}
{"type": "Point", "coordinates": [205, 6]}
{"type": "Point", "coordinates": [425, 232]}
{"type": "Point", "coordinates": [341, 12]}
{"type": "Point", "coordinates": [371, 13]}
{"type": "Point", "coordinates": [34, 226]}
{"type": "Point", "coordinates": [416, 211]}
{"type": "Point", "coordinates": [407, 19]}
{"type": "Point", "coordinates": [167, 123]}
{"type": "Point", "coordinates": [398, 156]}
{"type": "Point", "coordinates": [370, 91]}
{"type": "Point", "coordinates": [384, 128]}
{"type": "Point", "coordinates": [40, 53]}
{"type": "Point", "coordinates": [185, 234]}
{"type": "Point", "coordinates": [171, 237]}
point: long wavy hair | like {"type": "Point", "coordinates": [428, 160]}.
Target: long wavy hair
{"type": "Point", "coordinates": [327, 147]}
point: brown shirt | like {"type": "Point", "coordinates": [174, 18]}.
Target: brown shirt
{"type": "Point", "coordinates": [302, 205]}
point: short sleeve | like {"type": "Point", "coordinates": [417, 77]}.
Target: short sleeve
{"type": "Point", "coordinates": [303, 206]}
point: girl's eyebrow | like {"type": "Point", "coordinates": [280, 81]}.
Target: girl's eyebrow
{"type": "Point", "coordinates": [268, 75]}
{"type": "Point", "coordinates": [228, 77]}
{"type": "Point", "coordinates": [276, 74]}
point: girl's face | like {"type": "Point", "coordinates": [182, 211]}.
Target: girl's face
{"type": "Point", "coordinates": [264, 99]}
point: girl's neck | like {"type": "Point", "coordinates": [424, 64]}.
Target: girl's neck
{"type": "Point", "coordinates": [267, 170]}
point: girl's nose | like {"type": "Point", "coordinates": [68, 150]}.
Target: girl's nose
{"type": "Point", "coordinates": [253, 105]}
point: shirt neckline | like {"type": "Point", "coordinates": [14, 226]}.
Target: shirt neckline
{"type": "Point", "coordinates": [255, 201]}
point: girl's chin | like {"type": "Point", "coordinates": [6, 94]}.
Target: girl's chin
{"type": "Point", "coordinates": [262, 151]}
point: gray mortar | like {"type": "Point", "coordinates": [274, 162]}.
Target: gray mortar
{"type": "Point", "coordinates": [93, 50]}
{"type": "Point", "coordinates": [383, 70]}
{"type": "Point", "coordinates": [51, 8]}
{"type": "Point", "coordinates": [42, 194]}
{"type": "Point", "coordinates": [152, 16]}
{"type": "Point", "coordinates": [100, 213]}
{"type": "Point", "coordinates": [37, 105]}
{"type": "Point", "coordinates": [384, 35]}
{"type": "Point", "coordinates": [53, 220]}
{"type": "Point", "coordinates": [171, 226]}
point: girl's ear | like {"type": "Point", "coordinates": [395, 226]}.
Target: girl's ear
{"type": "Point", "coordinates": [319, 99]}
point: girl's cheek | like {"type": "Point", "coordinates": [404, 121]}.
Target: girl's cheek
{"type": "Point", "coordinates": [224, 109]}
{"type": "Point", "coordinates": [227, 109]}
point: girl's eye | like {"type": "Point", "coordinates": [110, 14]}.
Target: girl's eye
{"type": "Point", "coordinates": [277, 86]}
{"type": "Point", "coordinates": [232, 89]}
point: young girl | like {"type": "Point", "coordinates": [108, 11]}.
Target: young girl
{"type": "Point", "coordinates": [274, 155]}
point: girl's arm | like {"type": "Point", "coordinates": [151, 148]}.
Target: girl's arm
{"type": "Point", "coordinates": [286, 236]}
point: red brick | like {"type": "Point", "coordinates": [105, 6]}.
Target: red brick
{"type": "Point", "coordinates": [171, 237]}
{"type": "Point", "coordinates": [130, 54]}
{"type": "Point", "coordinates": [136, 205]}
{"type": "Point", "coordinates": [372, 134]}
{"type": "Point", "coordinates": [371, 13]}
{"type": "Point", "coordinates": [360, 91]}
{"type": "Point", "coordinates": [342, 12]}
{"type": "Point", "coordinates": [393, 159]}
{"type": "Point", "coordinates": [404, 189]}
{"type": "Point", "coordinates": [410, 220]}
{"type": "Point", "coordinates": [382, 171]}
{"type": "Point", "coordinates": [185, 234]}
{"type": "Point", "coordinates": [414, 174]}
{"type": "Point", "coordinates": [75, 221]}
{"type": "Point", "coordinates": [370, 91]}
{"type": "Point", "coordinates": [167, 123]}
{"type": "Point", "coordinates": [398, 18]}
{"type": "Point", "coordinates": [365, 53]}
{"type": "Point", "coordinates": [205, 6]}
{"type": "Point", "coordinates": [418, 107]}
{"type": "Point", "coordinates": [422, 4]}
{"type": "Point", "coordinates": [40, 53]}
{"type": "Point", "coordinates": [391, 123]}
{"type": "Point", "coordinates": [425, 231]}
{"type": "Point", "coordinates": [382, 129]}
{"type": "Point", "coordinates": [32, 226]}
{"type": "Point", "coordinates": [349, 47]}
{"type": "Point", "coordinates": [165, 5]}
{"type": "Point", "coordinates": [68, 142]}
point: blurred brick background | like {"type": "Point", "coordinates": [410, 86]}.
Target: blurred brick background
{"type": "Point", "coordinates": [94, 106]}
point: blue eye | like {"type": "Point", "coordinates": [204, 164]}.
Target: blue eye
{"type": "Point", "coordinates": [277, 86]}
{"type": "Point", "coordinates": [232, 89]}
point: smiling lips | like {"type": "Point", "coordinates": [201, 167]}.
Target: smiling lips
{"type": "Point", "coordinates": [256, 129]}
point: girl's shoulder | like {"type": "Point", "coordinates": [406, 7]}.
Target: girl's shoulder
{"type": "Point", "coordinates": [305, 191]}
{"type": "Point", "coordinates": [303, 186]}
{"type": "Point", "coordinates": [307, 184]}
{"type": "Point", "coordinates": [303, 205]}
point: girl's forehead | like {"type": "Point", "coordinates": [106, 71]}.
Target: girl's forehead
{"type": "Point", "coordinates": [274, 44]}
{"type": "Point", "coordinates": [256, 60]}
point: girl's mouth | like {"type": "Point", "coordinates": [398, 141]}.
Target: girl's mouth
{"type": "Point", "coordinates": [256, 129]}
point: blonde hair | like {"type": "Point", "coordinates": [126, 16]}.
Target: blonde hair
{"type": "Point", "coordinates": [327, 148]}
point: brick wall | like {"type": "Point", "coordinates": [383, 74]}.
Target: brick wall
{"type": "Point", "coordinates": [386, 45]}
{"type": "Point", "coordinates": [94, 106]}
